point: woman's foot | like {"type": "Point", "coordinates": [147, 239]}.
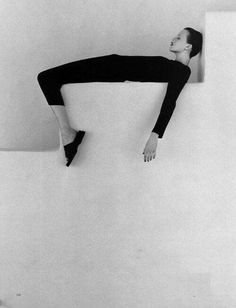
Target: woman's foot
{"type": "Point", "coordinates": [68, 136]}
{"type": "Point", "coordinates": [71, 148]}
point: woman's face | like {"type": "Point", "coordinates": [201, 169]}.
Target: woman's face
{"type": "Point", "coordinates": [179, 42]}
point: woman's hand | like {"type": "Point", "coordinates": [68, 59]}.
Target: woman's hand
{"type": "Point", "coordinates": [150, 147]}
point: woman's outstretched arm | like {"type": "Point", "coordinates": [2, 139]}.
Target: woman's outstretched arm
{"type": "Point", "coordinates": [178, 79]}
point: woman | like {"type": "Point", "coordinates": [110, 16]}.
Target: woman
{"type": "Point", "coordinates": [119, 68]}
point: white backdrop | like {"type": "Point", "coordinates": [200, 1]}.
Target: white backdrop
{"type": "Point", "coordinates": [113, 231]}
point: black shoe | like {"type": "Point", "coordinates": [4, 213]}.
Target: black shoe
{"type": "Point", "coordinates": [71, 148]}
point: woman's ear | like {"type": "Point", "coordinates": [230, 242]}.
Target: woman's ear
{"type": "Point", "coordinates": [189, 47]}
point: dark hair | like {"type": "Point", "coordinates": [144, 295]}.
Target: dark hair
{"type": "Point", "coordinates": [194, 38]}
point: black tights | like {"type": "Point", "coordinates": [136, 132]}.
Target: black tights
{"type": "Point", "coordinates": [108, 68]}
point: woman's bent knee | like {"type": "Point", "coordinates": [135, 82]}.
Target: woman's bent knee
{"type": "Point", "coordinates": [41, 76]}
{"type": "Point", "coordinates": [45, 76]}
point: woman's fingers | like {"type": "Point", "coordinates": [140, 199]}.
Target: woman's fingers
{"type": "Point", "coordinates": [148, 156]}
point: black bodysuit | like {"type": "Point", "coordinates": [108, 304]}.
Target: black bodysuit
{"type": "Point", "coordinates": [119, 68]}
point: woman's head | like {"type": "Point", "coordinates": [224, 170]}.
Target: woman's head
{"type": "Point", "coordinates": [188, 40]}
{"type": "Point", "coordinates": [194, 38]}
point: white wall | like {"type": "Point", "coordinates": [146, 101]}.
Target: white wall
{"type": "Point", "coordinates": [42, 34]}
{"type": "Point", "coordinates": [113, 231]}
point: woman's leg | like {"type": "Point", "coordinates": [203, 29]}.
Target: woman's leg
{"type": "Point", "coordinates": [104, 68]}
{"type": "Point", "coordinates": [50, 85]}
{"type": "Point", "coordinates": [67, 132]}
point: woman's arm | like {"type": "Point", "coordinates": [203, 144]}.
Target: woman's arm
{"type": "Point", "coordinates": [178, 79]}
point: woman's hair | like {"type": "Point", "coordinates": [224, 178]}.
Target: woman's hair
{"type": "Point", "coordinates": [194, 38]}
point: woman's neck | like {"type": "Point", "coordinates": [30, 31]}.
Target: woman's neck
{"type": "Point", "coordinates": [182, 58]}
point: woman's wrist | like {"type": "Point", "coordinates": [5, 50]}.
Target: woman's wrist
{"type": "Point", "coordinates": [155, 134]}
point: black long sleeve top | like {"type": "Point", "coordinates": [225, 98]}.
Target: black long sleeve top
{"type": "Point", "coordinates": [157, 69]}
{"type": "Point", "coordinates": [178, 74]}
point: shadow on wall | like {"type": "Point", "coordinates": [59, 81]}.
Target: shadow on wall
{"type": "Point", "coordinates": [201, 56]}
{"type": "Point", "coordinates": [201, 63]}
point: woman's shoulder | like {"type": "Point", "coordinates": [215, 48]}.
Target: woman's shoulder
{"type": "Point", "coordinates": [180, 66]}
{"type": "Point", "coordinates": [179, 71]}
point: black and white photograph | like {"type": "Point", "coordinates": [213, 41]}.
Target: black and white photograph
{"type": "Point", "coordinates": [117, 154]}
